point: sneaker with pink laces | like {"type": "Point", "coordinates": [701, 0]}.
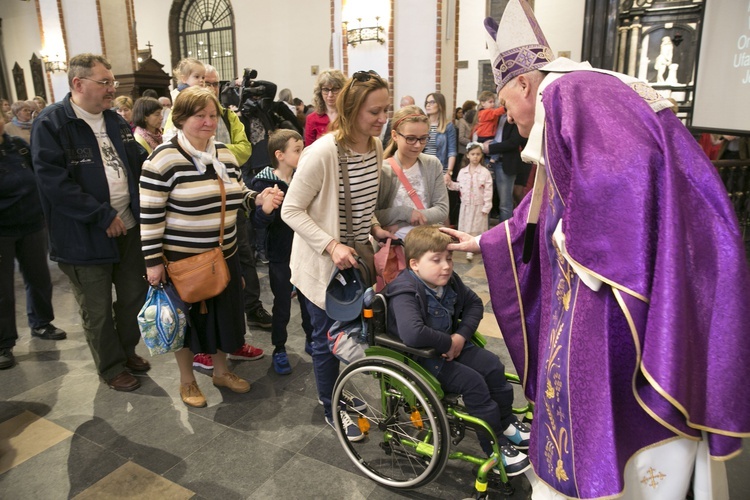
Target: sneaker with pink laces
{"type": "Point", "coordinates": [204, 361]}
{"type": "Point", "coordinates": [246, 353]}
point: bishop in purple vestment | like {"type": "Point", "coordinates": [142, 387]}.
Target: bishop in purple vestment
{"type": "Point", "coordinates": [629, 317]}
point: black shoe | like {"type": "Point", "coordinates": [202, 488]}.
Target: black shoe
{"type": "Point", "coordinates": [49, 332]}
{"type": "Point", "coordinates": [259, 318]}
{"type": "Point", "coordinates": [261, 257]}
{"type": "Point", "coordinates": [6, 358]}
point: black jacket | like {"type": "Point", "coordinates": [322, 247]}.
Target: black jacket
{"type": "Point", "coordinates": [20, 210]}
{"type": "Point", "coordinates": [73, 184]}
{"type": "Point", "coordinates": [279, 236]}
{"type": "Point", "coordinates": [407, 310]}
{"type": "Point", "coordinates": [510, 147]}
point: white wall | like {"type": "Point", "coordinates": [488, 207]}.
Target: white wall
{"type": "Point", "coordinates": [20, 40]}
{"type": "Point", "coordinates": [151, 25]}
{"type": "Point", "coordinates": [415, 24]}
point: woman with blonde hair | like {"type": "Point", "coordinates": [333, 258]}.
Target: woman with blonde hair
{"type": "Point", "coordinates": [327, 88]}
{"type": "Point", "coordinates": [397, 209]}
{"type": "Point", "coordinates": [315, 210]}
{"type": "Point", "coordinates": [124, 107]}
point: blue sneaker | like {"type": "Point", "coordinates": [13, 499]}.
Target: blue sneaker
{"type": "Point", "coordinates": [514, 461]}
{"type": "Point", "coordinates": [351, 403]}
{"type": "Point", "coordinates": [352, 432]}
{"type": "Point", "coordinates": [518, 434]}
{"type": "Point", "coordinates": [281, 363]}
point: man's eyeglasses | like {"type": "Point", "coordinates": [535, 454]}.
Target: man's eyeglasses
{"type": "Point", "coordinates": [326, 90]}
{"type": "Point", "coordinates": [412, 139]}
{"type": "Point", "coordinates": [212, 84]}
{"type": "Point", "coordinates": [104, 83]}
{"type": "Point", "coordinates": [363, 76]}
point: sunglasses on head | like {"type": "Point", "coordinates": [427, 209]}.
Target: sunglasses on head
{"type": "Point", "coordinates": [363, 76]}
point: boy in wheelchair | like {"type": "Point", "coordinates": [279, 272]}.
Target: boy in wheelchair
{"type": "Point", "coordinates": [429, 306]}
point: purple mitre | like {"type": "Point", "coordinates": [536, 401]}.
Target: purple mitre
{"type": "Point", "coordinates": [517, 45]}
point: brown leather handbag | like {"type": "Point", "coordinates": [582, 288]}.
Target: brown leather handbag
{"type": "Point", "coordinates": [205, 275]}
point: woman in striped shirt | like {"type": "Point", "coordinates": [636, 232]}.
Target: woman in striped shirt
{"type": "Point", "coordinates": [314, 208]}
{"type": "Point", "coordinates": [180, 217]}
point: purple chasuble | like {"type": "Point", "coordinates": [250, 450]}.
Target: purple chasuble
{"type": "Point", "coordinates": [662, 349]}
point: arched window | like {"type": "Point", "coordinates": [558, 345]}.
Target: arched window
{"type": "Point", "coordinates": [206, 32]}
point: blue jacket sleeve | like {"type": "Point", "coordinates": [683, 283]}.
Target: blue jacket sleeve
{"type": "Point", "coordinates": [450, 134]}
{"type": "Point", "coordinates": [410, 325]}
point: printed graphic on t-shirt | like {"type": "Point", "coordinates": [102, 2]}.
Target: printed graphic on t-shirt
{"type": "Point", "coordinates": [110, 157]}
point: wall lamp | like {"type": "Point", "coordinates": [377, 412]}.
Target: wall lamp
{"type": "Point", "coordinates": [53, 66]}
{"type": "Point", "coordinates": [355, 36]}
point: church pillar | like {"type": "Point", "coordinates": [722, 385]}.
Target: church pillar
{"type": "Point", "coordinates": [635, 36]}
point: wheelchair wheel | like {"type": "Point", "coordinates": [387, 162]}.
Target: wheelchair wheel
{"type": "Point", "coordinates": [408, 437]}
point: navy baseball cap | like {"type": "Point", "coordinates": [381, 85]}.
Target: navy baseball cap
{"type": "Point", "coordinates": [345, 294]}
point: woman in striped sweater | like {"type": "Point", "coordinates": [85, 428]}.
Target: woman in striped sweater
{"type": "Point", "coordinates": [314, 208]}
{"type": "Point", "coordinates": [180, 217]}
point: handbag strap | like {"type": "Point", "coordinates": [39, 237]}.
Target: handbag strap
{"type": "Point", "coordinates": [407, 185]}
{"type": "Point", "coordinates": [347, 196]}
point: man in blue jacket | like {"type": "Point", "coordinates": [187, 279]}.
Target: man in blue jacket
{"type": "Point", "coordinates": [88, 165]}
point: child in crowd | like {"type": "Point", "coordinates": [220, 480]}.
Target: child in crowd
{"type": "Point", "coordinates": [188, 72]}
{"type": "Point", "coordinates": [284, 149]}
{"type": "Point", "coordinates": [474, 182]}
{"type": "Point", "coordinates": [429, 306]}
{"type": "Point", "coordinates": [488, 117]}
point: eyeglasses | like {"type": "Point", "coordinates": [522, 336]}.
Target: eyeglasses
{"type": "Point", "coordinates": [212, 84]}
{"type": "Point", "coordinates": [363, 76]}
{"type": "Point", "coordinates": [326, 90]}
{"type": "Point", "coordinates": [104, 83]}
{"type": "Point", "coordinates": [412, 139]}
{"type": "Point", "coordinates": [429, 103]}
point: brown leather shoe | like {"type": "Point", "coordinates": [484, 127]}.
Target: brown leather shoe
{"type": "Point", "coordinates": [192, 395]}
{"type": "Point", "coordinates": [124, 382]}
{"type": "Point", "coordinates": [232, 382]}
{"type": "Point", "coordinates": [136, 363]}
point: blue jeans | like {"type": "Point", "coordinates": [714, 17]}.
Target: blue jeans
{"type": "Point", "coordinates": [479, 376]}
{"type": "Point", "coordinates": [325, 364]}
{"type": "Point", "coordinates": [279, 275]}
{"type": "Point", "coordinates": [504, 186]}
{"type": "Point", "coordinates": [31, 252]}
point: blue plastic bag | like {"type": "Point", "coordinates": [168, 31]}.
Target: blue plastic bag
{"type": "Point", "coordinates": [162, 320]}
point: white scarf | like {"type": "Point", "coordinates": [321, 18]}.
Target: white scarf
{"type": "Point", "coordinates": [201, 158]}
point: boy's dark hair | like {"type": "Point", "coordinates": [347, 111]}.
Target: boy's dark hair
{"type": "Point", "coordinates": [423, 239]}
{"type": "Point", "coordinates": [278, 140]}
{"type": "Point", "coordinates": [486, 96]}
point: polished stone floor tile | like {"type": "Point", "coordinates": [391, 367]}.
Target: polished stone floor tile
{"type": "Point", "coordinates": [131, 481]}
{"type": "Point", "coordinates": [25, 436]}
{"type": "Point", "coordinates": [303, 478]}
{"type": "Point", "coordinates": [231, 466]}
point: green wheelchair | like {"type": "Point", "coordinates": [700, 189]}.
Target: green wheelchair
{"type": "Point", "coordinates": [410, 423]}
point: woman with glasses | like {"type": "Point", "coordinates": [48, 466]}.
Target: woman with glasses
{"type": "Point", "coordinates": [20, 124]}
{"type": "Point", "coordinates": [442, 144]}
{"type": "Point", "coordinates": [327, 88]}
{"type": "Point", "coordinates": [315, 209]}
{"type": "Point", "coordinates": [396, 208]}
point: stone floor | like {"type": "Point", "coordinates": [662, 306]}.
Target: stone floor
{"type": "Point", "coordinates": [64, 434]}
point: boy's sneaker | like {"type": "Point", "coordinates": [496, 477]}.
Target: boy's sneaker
{"type": "Point", "coordinates": [350, 429]}
{"type": "Point", "coordinates": [514, 462]}
{"type": "Point", "coordinates": [49, 332]}
{"type": "Point", "coordinates": [204, 361]}
{"type": "Point", "coordinates": [246, 353]}
{"type": "Point", "coordinates": [351, 403]}
{"type": "Point", "coordinates": [259, 318]}
{"type": "Point", "coordinates": [518, 434]}
{"type": "Point", "coordinates": [281, 363]}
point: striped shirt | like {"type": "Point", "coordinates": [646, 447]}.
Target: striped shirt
{"type": "Point", "coordinates": [431, 147]}
{"type": "Point", "coordinates": [363, 182]}
{"type": "Point", "coordinates": [181, 208]}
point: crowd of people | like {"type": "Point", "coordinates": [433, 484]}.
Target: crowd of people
{"type": "Point", "coordinates": [114, 189]}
